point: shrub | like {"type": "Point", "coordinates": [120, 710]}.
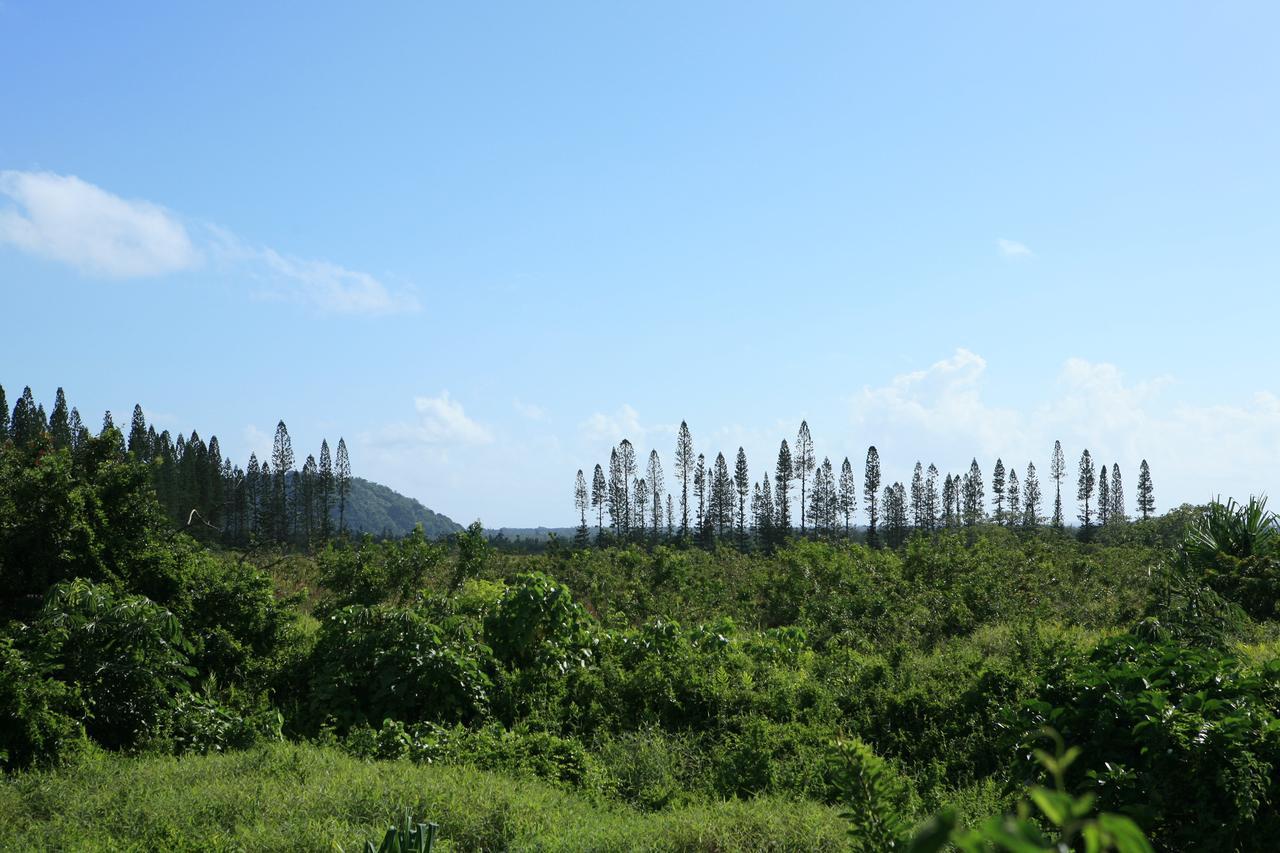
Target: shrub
{"type": "Point", "coordinates": [1183, 739]}
{"type": "Point", "coordinates": [370, 664]}
{"type": "Point", "coordinates": [39, 717]}
{"type": "Point", "coordinates": [126, 654]}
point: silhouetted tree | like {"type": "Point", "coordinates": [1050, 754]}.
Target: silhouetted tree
{"type": "Point", "coordinates": [1104, 496]}
{"type": "Point", "coordinates": [742, 483]}
{"type": "Point", "coordinates": [139, 446]}
{"type": "Point", "coordinates": [654, 481]}
{"type": "Point", "coordinates": [342, 481]}
{"type": "Point", "coordinates": [782, 492]}
{"type": "Point", "coordinates": [684, 473]}
{"type": "Point", "coordinates": [1031, 498]}
{"type": "Point", "coordinates": [871, 493]}
{"type": "Point", "coordinates": [973, 495]}
{"type": "Point", "coordinates": [1117, 513]}
{"type": "Point", "coordinates": [1057, 470]}
{"type": "Point", "coordinates": [580, 502]}
{"type": "Point", "coordinates": [599, 497]}
{"type": "Point", "coordinates": [848, 494]}
{"type": "Point", "coordinates": [931, 497]}
{"type": "Point", "coordinates": [1013, 513]}
{"type": "Point", "coordinates": [804, 460]}
{"type": "Point", "coordinates": [1146, 494]}
{"type": "Point", "coordinates": [997, 489]}
{"type": "Point", "coordinates": [1084, 491]}
{"type": "Point", "coordinates": [60, 422]}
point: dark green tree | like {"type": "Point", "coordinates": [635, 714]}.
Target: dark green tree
{"type": "Point", "coordinates": [684, 473]}
{"type": "Point", "coordinates": [931, 497]}
{"type": "Point", "coordinates": [917, 496]}
{"type": "Point", "coordinates": [848, 495]}
{"type": "Point", "coordinates": [599, 497]}
{"type": "Point", "coordinates": [1031, 498]}
{"type": "Point", "coordinates": [804, 461]}
{"type": "Point", "coordinates": [60, 422]}
{"type": "Point", "coordinates": [4, 417]}
{"type": "Point", "coordinates": [326, 491]}
{"type": "Point", "coordinates": [1057, 470]}
{"type": "Point", "coordinates": [342, 482]}
{"type": "Point", "coordinates": [742, 483]}
{"type": "Point", "coordinates": [871, 493]}
{"type": "Point", "coordinates": [580, 502]}
{"type": "Point", "coordinates": [973, 495]}
{"type": "Point", "coordinates": [139, 446]}
{"type": "Point", "coordinates": [1013, 492]}
{"type": "Point", "coordinates": [1084, 492]}
{"type": "Point", "coordinates": [1146, 494]}
{"type": "Point", "coordinates": [1104, 496]}
{"type": "Point", "coordinates": [997, 489]}
{"type": "Point", "coordinates": [656, 486]}
{"type": "Point", "coordinates": [782, 492]}
{"type": "Point", "coordinates": [1117, 513]}
{"type": "Point", "coordinates": [281, 497]}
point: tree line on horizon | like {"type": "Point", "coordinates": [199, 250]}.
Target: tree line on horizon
{"type": "Point", "coordinates": [199, 489]}
{"type": "Point", "coordinates": [712, 503]}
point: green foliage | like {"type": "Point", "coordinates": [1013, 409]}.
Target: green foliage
{"type": "Point", "coordinates": [877, 801]}
{"type": "Point", "coordinates": [1183, 739]}
{"type": "Point", "coordinates": [406, 837]}
{"type": "Point", "coordinates": [125, 654]}
{"type": "Point", "coordinates": [375, 572]}
{"type": "Point", "coordinates": [39, 717]}
{"type": "Point", "coordinates": [302, 798]}
{"type": "Point", "coordinates": [376, 663]}
{"type": "Point", "coordinates": [537, 623]}
{"type": "Point", "coordinates": [1053, 821]}
{"type": "Point", "coordinates": [1237, 550]}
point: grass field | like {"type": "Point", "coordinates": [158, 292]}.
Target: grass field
{"type": "Point", "coordinates": [307, 798]}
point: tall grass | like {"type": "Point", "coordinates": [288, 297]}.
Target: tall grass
{"type": "Point", "coordinates": [308, 798]}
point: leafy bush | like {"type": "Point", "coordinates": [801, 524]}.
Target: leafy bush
{"type": "Point", "coordinates": [126, 655]}
{"type": "Point", "coordinates": [1182, 739]}
{"type": "Point", "coordinates": [39, 717]}
{"type": "Point", "coordinates": [1237, 548]}
{"type": "Point", "coordinates": [878, 802]}
{"type": "Point", "coordinates": [370, 664]}
{"type": "Point", "coordinates": [537, 623]}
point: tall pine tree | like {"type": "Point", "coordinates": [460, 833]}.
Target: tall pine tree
{"type": "Point", "coordinates": [1057, 470]}
{"type": "Point", "coordinates": [684, 473]}
{"type": "Point", "coordinates": [997, 489]}
{"type": "Point", "coordinates": [848, 495]}
{"type": "Point", "coordinates": [1087, 479]}
{"type": "Point", "coordinates": [782, 492]}
{"type": "Point", "coordinates": [1031, 498]}
{"type": "Point", "coordinates": [804, 461]}
{"type": "Point", "coordinates": [342, 482]}
{"type": "Point", "coordinates": [742, 483]}
{"type": "Point", "coordinates": [1146, 494]}
{"type": "Point", "coordinates": [871, 494]}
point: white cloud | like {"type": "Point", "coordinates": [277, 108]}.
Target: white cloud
{"type": "Point", "coordinates": [942, 414]}
{"type": "Point", "coordinates": [258, 442]}
{"type": "Point", "coordinates": [624, 423]}
{"type": "Point", "coordinates": [1014, 249]}
{"type": "Point", "coordinates": [68, 220]}
{"type": "Point", "coordinates": [65, 219]}
{"type": "Point", "coordinates": [532, 411]}
{"type": "Point", "coordinates": [442, 423]}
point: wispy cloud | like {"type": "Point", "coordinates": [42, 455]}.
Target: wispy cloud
{"type": "Point", "coordinates": [71, 221]}
{"type": "Point", "coordinates": [532, 411]}
{"type": "Point", "coordinates": [65, 219]}
{"type": "Point", "coordinates": [1014, 249]}
{"type": "Point", "coordinates": [442, 423]}
{"type": "Point", "coordinates": [945, 411]}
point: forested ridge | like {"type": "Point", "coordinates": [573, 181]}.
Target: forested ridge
{"type": "Point", "coordinates": [976, 677]}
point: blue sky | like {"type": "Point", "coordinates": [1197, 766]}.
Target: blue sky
{"type": "Point", "coordinates": [483, 244]}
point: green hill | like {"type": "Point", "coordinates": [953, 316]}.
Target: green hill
{"type": "Point", "coordinates": [377, 509]}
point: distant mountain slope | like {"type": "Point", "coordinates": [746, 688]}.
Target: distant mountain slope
{"type": "Point", "coordinates": [374, 508]}
{"type": "Point", "coordinates": [539, 533]}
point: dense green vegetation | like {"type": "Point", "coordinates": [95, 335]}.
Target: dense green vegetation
{"type": "Point", "coordinates": [158, 692]}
